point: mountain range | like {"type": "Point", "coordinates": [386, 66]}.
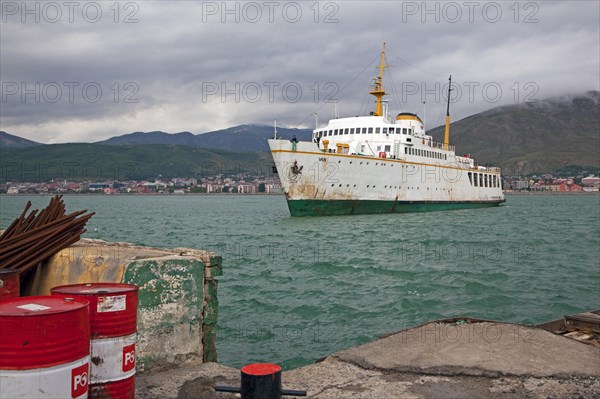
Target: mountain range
{"type": "Point", "coordinates": [237, 138]}
{"type": "Point", "coordinates": [542, 136]}
{"type": "Point", "coordinates": [537, 136]}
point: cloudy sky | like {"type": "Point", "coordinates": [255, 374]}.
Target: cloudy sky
{"type": "Point", "coordinates": [86, 71]}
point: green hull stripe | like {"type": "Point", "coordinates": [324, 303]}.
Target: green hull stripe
{"type": "Point", "coordinates": [356, 207]}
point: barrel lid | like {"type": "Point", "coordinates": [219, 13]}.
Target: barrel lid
{"type": "Point", "coordinates": [261, 369]}
{"type": "Point", "coordinates": [40, 305]}
{"type": "Point", "coordinates": [95, 288]}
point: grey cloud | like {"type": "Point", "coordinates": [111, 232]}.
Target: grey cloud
{"type": "Point", "coordinates": [176, 51]}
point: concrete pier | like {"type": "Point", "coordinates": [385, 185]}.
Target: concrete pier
{"type": "Point", "coordinates": [436, 360]}
{"type": "Point", "coordinates": [178, 305]}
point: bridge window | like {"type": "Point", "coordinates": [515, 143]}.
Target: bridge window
{"type": "Point", "coordinates": [346, 131]}
{"type": "Point", "coordinates": [351, 130]}
{"type": "Point", "coordinates": [370, 130]}
{"type": "Point", "coordinates": [335, 132]}
{"type": "Point", "coordinates": [377, 130]}
{"type": "Point", "coordinates": [364, 130]}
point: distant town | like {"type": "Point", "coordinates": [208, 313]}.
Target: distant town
{"type": "Point", "coordinates": [245, 183]}
{"type": "Point", "coordinates": [237, 184]}
{"type": "Point", "coordinates": [550, 183]}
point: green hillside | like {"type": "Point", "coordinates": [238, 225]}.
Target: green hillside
{"type": "Point", "coordinates": [82, 161]}
{"type": "Point", "coordinates": [534, 137]}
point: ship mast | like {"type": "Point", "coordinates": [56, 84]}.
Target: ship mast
{"type": "Point", "coordinates": [447, 131]}
{"type": "Point", "coordinates": [378, 91]}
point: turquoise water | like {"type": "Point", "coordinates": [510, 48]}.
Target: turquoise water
{"type": "Point", "coordinates": [297, 289]}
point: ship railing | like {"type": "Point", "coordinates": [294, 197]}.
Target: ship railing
{"type": "Point", "coordinates": [493, 169]}
{"type": "Point", "coordinates": [437, 144]}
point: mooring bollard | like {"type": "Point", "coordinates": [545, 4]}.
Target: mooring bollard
{"type": "Point", "coordinates": [261, 381]}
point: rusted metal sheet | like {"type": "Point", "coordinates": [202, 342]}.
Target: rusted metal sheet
{"type": "Point", "coordinates": [583, 327]}
{"type": "Point", "coordinates": [583, 321]}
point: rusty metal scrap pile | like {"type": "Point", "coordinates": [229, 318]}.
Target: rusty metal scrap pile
{"type": "Point", "coordinates": [36, 237]}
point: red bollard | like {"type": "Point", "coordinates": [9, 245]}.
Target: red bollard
{"type": "Point", "coordinates": [261, 381]}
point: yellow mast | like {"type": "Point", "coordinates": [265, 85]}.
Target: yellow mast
{"type": "Point", "coordinates": [378, 91]}
{"type": "Point", "coordinates": [447, 131]}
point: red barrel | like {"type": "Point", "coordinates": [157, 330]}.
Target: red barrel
{"type": "Point", "coordinates": [113, 326]}
{"type": "Point", "coordinates": [9, 284]}
{"type": "Point", "coordinates": [44, 347]}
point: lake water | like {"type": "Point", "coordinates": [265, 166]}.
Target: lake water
{"type": "Point", "coordinates": [297, 289]}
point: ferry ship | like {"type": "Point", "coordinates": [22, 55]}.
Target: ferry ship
{"type": "Point", "coordinates": [378, 164]}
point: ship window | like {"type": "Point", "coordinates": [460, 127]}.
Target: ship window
{"type": "Point", "coordinates": [362, 149]}
{"type": "Point", "coordinates": [370, 130]}
{"type": "Point", "coordinates": [391, 130]}
{"type": "Point", "coordinates": [377, 130]}
{"type": "Point", "coordinates": [385, 130]}
{"type": "Point", "coordinates": [405, 150]}
{"type": "Point", "coordinates": [364, 130]}
{"type": "Point", "coordinates": [404, 130]}
{"type": "Point", "coordinates": [485, 179]}
{"type": "Point", "coordinates": [387, 148]}
{"type": "Point", "coordinates": [335, 132]}
{"type": "Point", "coordinates": [352, 131]}
{"type": "Point", "coordinates": [481, 180]}
{"type": "Point", "coordinates": [475, 176]}
{"type": "Point", "coordinates": [471, 178]}
{"type": "Point", "coordinates": [445, 157]}
{"type": "Point", "coordinates": [331, 133]}
{"type": "Point", "coordinates": [346, 131]}
{"type": "Point", "coordinates": [495, 181]}
{"type": "Point", "coordinates": [378, 148]}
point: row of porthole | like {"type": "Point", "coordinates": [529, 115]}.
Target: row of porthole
{"type": "Point", "coordinates": [376, 163]}
{"type": "Point", "coordinates": [395, 187]}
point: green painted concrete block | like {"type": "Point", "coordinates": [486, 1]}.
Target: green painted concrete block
{"type": "Point", "coordinates": [211, 308]}
{"type": "Point", "coordinates": [171, 304]}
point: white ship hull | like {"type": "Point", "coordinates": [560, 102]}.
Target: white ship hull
{"type": "Point", "coordinates": [325, 183]}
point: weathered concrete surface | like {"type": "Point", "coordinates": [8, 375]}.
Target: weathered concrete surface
{"type": "Point", "coordinates": [477, 349]}
{"type": "Point", "coordinates": [177, 310]}
{"type": "Point", "coordinates": [417, 363]}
